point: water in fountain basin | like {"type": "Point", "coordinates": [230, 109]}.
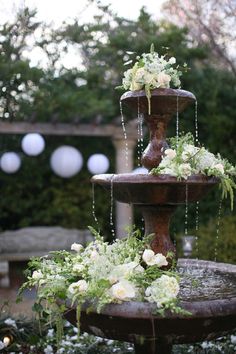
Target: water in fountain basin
{"type": "Point", "coordinates": [202, 283]}
{"type": "Point", "coordinates": [125, 134]}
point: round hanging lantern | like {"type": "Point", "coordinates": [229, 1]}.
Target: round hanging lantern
{"type": "Point", "coordinates": [33, 144]}
{"type": "Point", "coordinates": [66, 161]}
{"type": "Point", "coordinates": [98, 163]}
{"type": "Point", "coordinates": [10, 162]}
{"type": "Point", "coordinates": [140, 171]}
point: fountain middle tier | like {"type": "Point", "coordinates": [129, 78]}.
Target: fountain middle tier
{"type": "Point", "coordinates": [157, 197]}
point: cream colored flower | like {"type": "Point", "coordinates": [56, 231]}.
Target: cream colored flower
{"type": "Point", "coordinates": [219, 167]}
{"type": "Point", "coordinates": [185, 170]}
{"type": "Point", "coordinates": [135, 86]}
{"type": "Point", "coordinates": [123, 290]}
{"type": "Point", "coordinates": [148, 257]}
{"type": "Point", "coordinates": [77, 247]}
{"type": "Point", "coordinates": [37, 274]}
{"type": "Point", "coordinates": [163, 80]}
{"type": "Point", "coordinates": [172, 60]}
{"type": "Point", "coordinates": [78, 268]}
{"type": "Point", "coordinates": [160, 260]}
{"type": "Point", "coordinates": [79, 286]}
{"type": "Point", "coordinates": [170, 153]}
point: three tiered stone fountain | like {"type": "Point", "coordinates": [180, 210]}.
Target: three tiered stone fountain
{"type": "Point", "coordinates": [213, 303]}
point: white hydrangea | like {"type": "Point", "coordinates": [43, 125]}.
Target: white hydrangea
{"type": "Point", "coordinates": [205, 160]}
{"type": "Point", "coordinates": [78, 268]}
{"type": "Point", "coordinates": [162, 290]}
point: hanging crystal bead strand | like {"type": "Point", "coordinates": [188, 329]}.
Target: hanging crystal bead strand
{"type": "Point", "coordinates": [125, 134]}
{"type": "Point", "coordinates": [93, 206]}
{"type": "Point", "coordinates": [218, 229]}
{"type": "Point", "coordinates": [111, 209]}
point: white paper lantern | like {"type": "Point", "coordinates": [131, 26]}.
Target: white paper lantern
{"type": "Point", "coordinates": [10, 162]}
{"type": "Point", "coordinates": [33, 144]}
{"type": "Point", "coordinates": [66, 161]}
{"type": "Point", "coordinates": [140, 171]}
{"type": "Point", "coordinates": [98, 163]}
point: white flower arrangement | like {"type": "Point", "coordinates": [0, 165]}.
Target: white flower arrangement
{"type": "Point", "coordinates": [183, 159]}
{"type": "Point", "coordinates": [152, 71]}
{"type": "Point", "coordinates": [102, 273]}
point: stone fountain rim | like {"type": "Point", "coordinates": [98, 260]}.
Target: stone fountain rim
{"type": "Point", "coordinates": [152, 179]}
{"type": "Point", "coordinates": [199, 309]}
{"type": "Point", "coordinates": [166, 92]}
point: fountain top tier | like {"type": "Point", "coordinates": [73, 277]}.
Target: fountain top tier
{"type": "Point", "coordinates": [164, 103]}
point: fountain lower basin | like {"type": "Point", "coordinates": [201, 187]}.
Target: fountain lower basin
{"type": "Point", "coordinates": [212, 304]}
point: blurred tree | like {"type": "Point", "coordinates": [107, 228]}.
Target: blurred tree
{"type": "Point", "coordinates": [210, 22]}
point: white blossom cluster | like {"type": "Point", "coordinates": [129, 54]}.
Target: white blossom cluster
{"type": "Point", "coordinates": [152, 71]}
{"type": "Point", "coordinates": [183, 160]}
{"type": "Point", "coordinates": [104, 273]}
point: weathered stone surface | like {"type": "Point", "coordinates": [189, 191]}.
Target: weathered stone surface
{"type": "Point", "coordinates": [34, 241]}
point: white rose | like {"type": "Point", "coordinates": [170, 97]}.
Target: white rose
{"type": "Point", "coordinates": [148, 257]}
{"type": "Point", "coordinates": [80, 286]}
{"type": "Point", "coordinates": [185, 170]}
{"type": "Point", "coordinates": [6, 341]}
{"type": "Point", "coordinates": [123, 290]}
{"type": "Point", "coordinates": [170, 153]}
{"type": "Point", "coordinates": [77, 247]}
{"type": "Point", "coordinates": [160, 260]}
{"type": "Point", "coordinates": [219, 167]}
{"type": "Point", "coordinates": [163, 80]}
{"type": "Point", "coordinates": [172, 60]}
{"type": "Point", "coordinates": [37, 274]}
{"type": "Point", "coordinates": [78, 268]}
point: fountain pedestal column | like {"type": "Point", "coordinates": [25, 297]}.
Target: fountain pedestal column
{"type": "Point", "coordinates": [157, 221]}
